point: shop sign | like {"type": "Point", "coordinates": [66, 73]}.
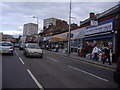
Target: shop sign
{"type": "Point", "coordinates": [78, 33]}
{"type": "Point", "coordinates": [61, 37]}
{"type": "Point", "coordinates": [56, 39]}
{"type": "Point", "coordinates": [99, 29]}
{"type": "Point", "coordinates": [94, 23]}
{"type": "Point", "coordinates": [50, 38]}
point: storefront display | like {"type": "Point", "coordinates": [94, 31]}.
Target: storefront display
{"type": "Point", "coordinates": [100, 35]}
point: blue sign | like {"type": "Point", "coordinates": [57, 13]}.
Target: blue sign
{"type": "Point", "coordinates": [100, 28]}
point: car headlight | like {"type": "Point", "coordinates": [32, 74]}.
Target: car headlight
{"type": "Point", "coordinates": [30, 51]}
{"type": "Point", "coordinates": [40, 51]}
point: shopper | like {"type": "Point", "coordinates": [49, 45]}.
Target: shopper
{"type": "Point", "coordinates": [84, 52]}
{"type": "Point", "coordinates": [107, 54]}
{"type": "Point", "coordinates": [95, 52]}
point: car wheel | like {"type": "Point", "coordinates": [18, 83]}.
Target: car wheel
{"type": "Point", "coordinates": [12, 53]}
{"type": "Point", "coordinates": [26, 54]}
{"type": "Point", "coordinates": [20, 48]}
{"type": "Point", "coordinates": [41, 56]}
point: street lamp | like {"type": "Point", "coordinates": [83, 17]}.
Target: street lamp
{"type": "Point", "coordinates": [69, 33]}
{"type": "Point", "coordinates": [36, 18]}
{"type": "Point", "coordinates": [38, 26]}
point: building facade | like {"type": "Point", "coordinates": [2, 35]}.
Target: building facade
{"type": "Point", "coordinates": [30, 29]}
{"type": "Point", "coordinates": [53, 26]}
{"type": "Point", "coordinates": [102, 29]}
{"type": "Point", "coordinates": [106, 31]}
{"type": "Point", "coordinates": [48, 22]}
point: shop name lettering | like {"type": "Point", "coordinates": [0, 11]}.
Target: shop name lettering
{"type": "Point", "coordinates": [98, 29]}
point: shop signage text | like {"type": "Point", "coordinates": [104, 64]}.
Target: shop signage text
{"type": "Point", "coordinates": [99, 29]}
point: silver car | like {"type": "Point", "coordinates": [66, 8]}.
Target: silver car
{"type": "Point", "coordinates": [32, 49]}
{"type": "Point", "coordinates": [6, 47]}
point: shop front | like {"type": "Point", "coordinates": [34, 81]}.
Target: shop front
{"type": "Point", "coordinates": [57, 42]}
{"type": "Point", "coordinates": [77, 39]}
{"type": "Point", "coordinates": [100, 35]}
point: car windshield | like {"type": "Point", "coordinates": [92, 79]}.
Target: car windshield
{"type": "Point", "coordinates": [33, 46]}
{"type": "Point", "coordinates": [5, 44]}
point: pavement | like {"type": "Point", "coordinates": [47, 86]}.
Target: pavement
{"type": "Point", "coordinates": [75, 56]}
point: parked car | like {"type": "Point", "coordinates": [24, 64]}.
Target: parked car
{"type": "Point", "coordinates": [21, 46]}
{"type": "Point", "coordinates": [6, 47]}
{"type": "Point", "coordinates": [117, 73]}
{"type": "Point", "coordinates": [32, 49]}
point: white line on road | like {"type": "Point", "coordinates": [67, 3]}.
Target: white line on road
{"type": "Point", "coordinates": [88, 73]}
{"type": "Point", "coordinates": [16, 53]}
{"type": "Point", "coordinates": [21, 60]}
{"type": "Point", "coordinates": [52, 59]}
{"type": "Point", "coordinates": [35, 80]}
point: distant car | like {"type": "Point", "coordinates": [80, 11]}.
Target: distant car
{"type": "Point", "coordinates": [6, 47]}
{"type": "Point", "coordinates": [21, 46]}
{"type": "Point", "coordinates": [32, 49]}
{"type": "Point", "coordinates": [117, 73]}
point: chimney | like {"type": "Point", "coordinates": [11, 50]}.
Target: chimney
{"type": "Point", "coordinates": [92, 15]}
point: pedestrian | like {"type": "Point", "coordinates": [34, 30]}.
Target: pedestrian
{"type": "Point", "coordinates": [84, 52]}
{"type": "Point", "coordinates": [95, 52]}
{"type": "Point", "coordinates": [107, 54]}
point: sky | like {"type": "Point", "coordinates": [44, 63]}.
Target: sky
{"type": "Point", "coordinates": [15, 14]}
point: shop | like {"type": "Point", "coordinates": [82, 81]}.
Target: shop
{"type": "Point", "coordinates": [60, 42]}
{"type": "Point", "coordinates": [57, 42]}
{"type": "Point", "coordinates": [101, 35]}
{"type": "Point", "coordinates": [77, 39]}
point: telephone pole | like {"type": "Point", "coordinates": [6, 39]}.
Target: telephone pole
{"type": "Point", "coordinates": [69, 34]}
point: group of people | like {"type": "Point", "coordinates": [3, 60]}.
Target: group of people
{"type": "Point", "coordinates": [93, 50]}
{"type": "Point", "coordinates": [105, 54]}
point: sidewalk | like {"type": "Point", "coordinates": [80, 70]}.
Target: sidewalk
{"type": "Point", "coordinates": [75, 56]}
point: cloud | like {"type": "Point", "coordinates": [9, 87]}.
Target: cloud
{"type": "Point", "coordinates": [16, 14]}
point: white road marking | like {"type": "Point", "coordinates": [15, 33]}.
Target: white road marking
{"type": "Point", "coordinates": [16, 53]}
{"type": "Point", "coordinates": [52, 59]}
{"type": "Point", "coordinates": [93, 64]}
{"type": "Point", "coordinates": [88, 73]}
{"type": "Point", "coordinates": [107, 68]}
{"type": "Point", "coordinates": [35, 80]}
{"type": "Point", "coordinates": [21, 60]}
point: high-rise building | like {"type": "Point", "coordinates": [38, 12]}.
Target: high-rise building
{"type": "Point", "coordinates": [49, 21]}
{"type": "Point", "coordinates": [30, 29]}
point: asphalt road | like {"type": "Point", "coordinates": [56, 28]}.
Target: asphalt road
{"type": "Point", "coordinates": [53, 71]}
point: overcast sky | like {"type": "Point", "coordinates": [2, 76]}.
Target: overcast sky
{"type": "Point", "coordinates": [16, 14]}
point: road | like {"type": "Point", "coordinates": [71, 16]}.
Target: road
{"type": "Point", "coordinates": [53, 71]}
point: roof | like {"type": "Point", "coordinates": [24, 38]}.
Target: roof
{"type": "Point", "coordinates": [110, 11]}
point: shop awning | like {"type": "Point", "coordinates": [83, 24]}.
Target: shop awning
{"type": "Point", "coordinates": [99, 37]}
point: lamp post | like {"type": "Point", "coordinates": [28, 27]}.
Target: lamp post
{"type": "Point", "coordinates": [36, 18]}
{"type": "Point", "coordinates": [38, 27]}
{"type": "Point", "coordinates": [69, 34]}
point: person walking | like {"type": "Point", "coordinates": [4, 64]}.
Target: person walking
{"type": "Point", "coordinates": [107, 55]}
{"type": "Point", "coordinates": [95, 52]}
